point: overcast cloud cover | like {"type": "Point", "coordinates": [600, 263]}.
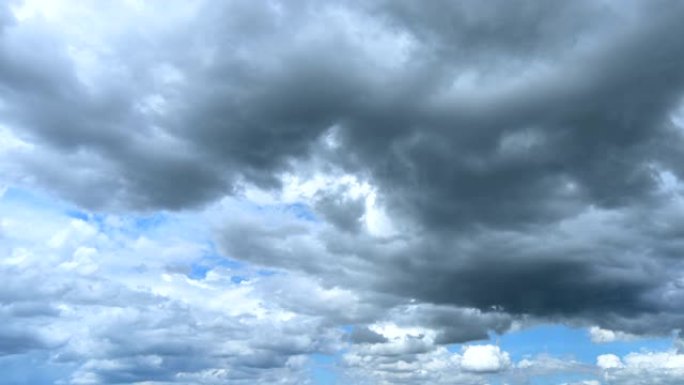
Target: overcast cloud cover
{"type": "Point", "coordinates": [339, 192]}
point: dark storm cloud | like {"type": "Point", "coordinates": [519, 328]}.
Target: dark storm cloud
{"type": "Point", "coordinates": [457, 325]}
{"type": "Point", "coordinates": [596, 121]}
{"type": "Point", "coordinates": [472, 30]}
{"type": "Point", "coordinates": [615, 268]}
{"type": "Point", "coordinates": [263, 97]}
{"type": "Point", "coordinates": [341, 210]}
{"type": "Point", "coordinates": [486, 129]}
{"type": "Point", "coordinates": [259, 102]}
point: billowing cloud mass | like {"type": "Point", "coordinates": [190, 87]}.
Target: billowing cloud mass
{"type": "Point", "coordinates": [213, 192]}
{"type": "Point", "coordinates": [485, 358]}
{"type": "Point", "coordinates": [660, 368]}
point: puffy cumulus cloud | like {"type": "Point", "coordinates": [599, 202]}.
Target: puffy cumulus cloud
{"type": "Point", "coordinates": [112, 300]}
{"type": "Point", "coordinates": [435, 366]}
{"type": "Point", "coordinates": [394, 354]}
{"type": "Point", "coordinates": [474, 364]}
{"type": "Point", "coordinates": [643, 368]}
{"type": "Point", "coordinates": [601, 336]}
{"type": "Point", "coordinates": [608, 361]}
{"type": "Point", "coordinates": [544, 366]}
{"type": "Point", "coordinates": [484, 359]}
{"type": "Point", "coordinates": [409, 356]}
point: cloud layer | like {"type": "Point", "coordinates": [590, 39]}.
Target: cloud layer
{"type": "Point", "coordinates": [448, 170]}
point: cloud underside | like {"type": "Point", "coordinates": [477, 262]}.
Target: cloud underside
{"type": "Point", "coordinates": [524, 159]}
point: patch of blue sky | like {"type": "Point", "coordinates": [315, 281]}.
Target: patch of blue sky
{"type": "Point", "coordinates": [25, 201]}
{"type": "Point", "coordinates": [213, 259]}
{"type": "Point", "coordinates": [562, 341]}
{"type": "Point", "coordinates": [266, 272]}
{"type": "Point", "coordinates": [323, 368]}
{"type": "Point", "coordinates": [559, 340]}
{"type": "Point", "coordinates": [35, 200]}
{"type": "Point", "coordinates": [301, 211]}
{"type": "Point", "coordinates": [139, 224]}
{"type": "Point", "coordinates": [551, 379]}
{"type": "Point", "coordinates": [99, 220]}
{"type": "Point", "coordinates": [494, 379]}
{"type": "Point", "coordinates": [554, 340]}
{"type": "Point", "coordinates": [33, 368]}
{"type": "Point", "coordinates": [96, 219]}
{"type": "Point", "coordinates": [149, 222]}
{"type": "Point", "coordinates": [16, 196]}
{"type": "Point", "coordinates": [78, 214]}
{"type": "Point", "coordinates": [238, 279]}
{"type": "Point", "coordinates": [298, 210]}
{"type": "Point", "coordinates": [198, 271]}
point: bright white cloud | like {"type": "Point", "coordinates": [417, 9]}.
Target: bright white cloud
{"type": "Point", "coordinates": [608, 361]}
{"type": "Point", "coordinates": [485, 359]}
{"type": "Point", "coordinates": [659, 368]}
{"type": "Point", "coordinates": [601, 336]}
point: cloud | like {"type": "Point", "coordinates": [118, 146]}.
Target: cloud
{"type": "Point", "coordinates": [608, 361]}
{"type": "Point", "coordinates": [601, 336]}
{"type": "Point", "coordinates": [484, 359]}
{"type": "Point", "coordinates": [563, 271]}
{"type": "Point", "coordinates": [453, 168]}
{"type": "Point", "coordinates": [585, 382]}
{"type": "Point", "coordinates": [435, 366]}
{"type": "Point", "coordinates": [361, 335]}
{"type": "Point", "coordinates": [543, 365]}
{"type": "Point", "coordinates": [641, 368]}
{"type": "Point", "coordinates": [114, 302]}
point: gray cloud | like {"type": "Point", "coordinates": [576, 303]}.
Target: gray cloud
{"type": "Point", "coordinates": [526, 154]}
{"type": "Point", "coordinates": [596, 268]}
{"type": "Point", "coordinates": [340, 210]}
{"type": "Point", "coordinates": [449, 156]}
{"type": "Point", "coordinates": [500, 180]}
{"type": "Point", "coordinates": [658, 368]}
{"type": "Point", "coordinates": [77, 299]}
{"type": "Point", "coordinates": [363, 335]}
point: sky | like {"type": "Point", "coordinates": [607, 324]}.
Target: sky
{"type": "Point", "coordinates": [342, 192]}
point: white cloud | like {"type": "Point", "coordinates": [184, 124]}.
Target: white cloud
{"type": "Point", "coordinates": [114, 300]}
{"type": "Point", "coordinates": [485, 359]}
{"type": "Point", "coordinates": [600, 336]}
{"type": "Point", "coordinates": [585, 382]}
{"type": "Point", "coordinates": [608, 361]}
{"type": "Point", "coordinates": [660, 368]}
{"type": "Point", "coordinates": [437, 366]}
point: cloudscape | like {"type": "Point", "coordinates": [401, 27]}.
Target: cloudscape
{"type": "Point", "coordinates": [343, 192]}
